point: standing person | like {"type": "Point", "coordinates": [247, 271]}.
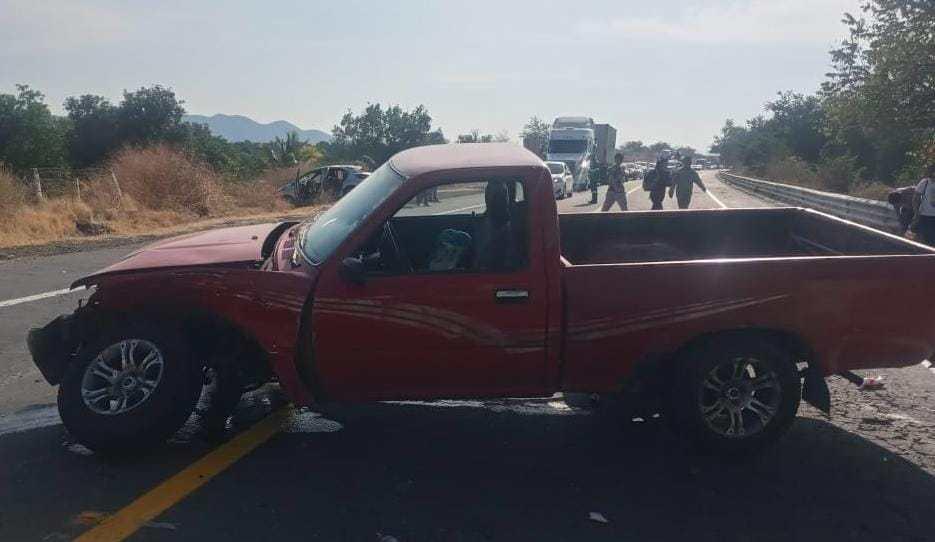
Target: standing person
{"type": "Point", "coordinates": [616, 185]}
{"type": "Point", "coordinates": [683, 183]}
{"type": "Point", "coordinates": [923, 223]}
{"type": "Point", "coordinates": [656, 181]}
{"type": "Point", "coordinates": [597, 176]}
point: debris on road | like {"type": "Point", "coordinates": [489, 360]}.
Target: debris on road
{"type": "Point", "coordinates": [597, 517]}
{"type": "Point", "coordinates": [161, 525]}
{"type": "Point", "coordinates": [306, 421]}
{"type": "Point", "coordinates": [89, 518]}
{"type": "Point", "coordinates": [872, 383]}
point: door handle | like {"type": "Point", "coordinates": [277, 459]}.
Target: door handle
{"type": "Point", "coordinates": [511, 295]}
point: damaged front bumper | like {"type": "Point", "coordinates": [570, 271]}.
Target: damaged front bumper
{"type": "Point", "coordinates": [53, 345]}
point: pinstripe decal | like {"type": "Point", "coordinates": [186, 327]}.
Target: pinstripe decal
{"type": "Point", "coordinates": [656, 318]}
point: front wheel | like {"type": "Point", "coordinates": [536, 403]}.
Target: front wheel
{"type": "Point", "coordinates": [736, 396]}
{"type": "Point", "coordinates": [129, 390]}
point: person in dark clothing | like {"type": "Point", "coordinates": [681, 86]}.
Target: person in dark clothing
{"type": "Point", "coordinates": [495, 246]}
{"type": "Point", "coordinates": [683, 183]}
{"type": "Point", "coordinates": [923, 224]}
{"type": "Point", "coordinates": [656, 181]}
{"type": "Point", "coordinates": [616, 187]}
{"type": "Point", "coordinates": [597, 176]}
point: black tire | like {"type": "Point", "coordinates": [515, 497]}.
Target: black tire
{"type": "Point", "coordinates": [154, 418]}
{"type": "Point", "coordinates": [761, 423]}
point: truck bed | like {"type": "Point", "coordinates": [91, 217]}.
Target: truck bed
{"type": "Point", "coordinates": [601, 238]}
{"type": "Point", "coordinates": [638, 286]}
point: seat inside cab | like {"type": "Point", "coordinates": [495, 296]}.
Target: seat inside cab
{"type": "Point", "coordinates": [462, 227]}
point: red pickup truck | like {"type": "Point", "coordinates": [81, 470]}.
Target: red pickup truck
{"type": "Point", "coordinates": [721, 319]}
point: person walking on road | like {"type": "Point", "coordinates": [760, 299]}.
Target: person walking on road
{"type": "Point", "coordinates": [597, 176]}
{"type": "Point", "coordinates": [683, 183]}
{"type": "Point", "coordinates": [923, 222]}
{"type": "Point", "coordinates": [656, 181]}
{"type": "Point", "coordinates": [616, 185]}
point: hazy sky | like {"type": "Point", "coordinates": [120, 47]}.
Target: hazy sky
{"type": "Point", "coordinates": [656, 69]}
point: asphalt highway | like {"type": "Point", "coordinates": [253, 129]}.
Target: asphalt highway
{"type": "Point", "coordinates": [521, 469]}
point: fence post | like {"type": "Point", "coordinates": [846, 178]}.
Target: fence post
{"type": "Point", "coordinates": [37, 183]}
{"type": "Point", "coordinates": [117, 187]}
{"type": "Point", "coordinates": [77, 189]}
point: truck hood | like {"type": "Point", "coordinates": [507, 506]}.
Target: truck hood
{"type": "Point", "coordinates": [222, 247]}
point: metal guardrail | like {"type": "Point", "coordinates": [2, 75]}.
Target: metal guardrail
{"type": "Point", "coordinates": [873, 213]}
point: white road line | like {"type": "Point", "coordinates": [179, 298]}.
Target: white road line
{"type": "Point", "coordinates": [31, 419]}
{"type": "Point", "coordinates": [719, 202]}
{"type": "Point", "coordinates": [38, 297]}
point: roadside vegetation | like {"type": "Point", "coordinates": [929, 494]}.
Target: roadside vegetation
{"type": "Point", "coordinates": [871, 125]}
{"type": "Point", "coordinates": [135, 167]}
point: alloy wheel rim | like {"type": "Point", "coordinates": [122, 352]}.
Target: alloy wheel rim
{"type": "Point", "coordinates": [122, 377]}
{"type": "Point", "coordinates": [739, 397]}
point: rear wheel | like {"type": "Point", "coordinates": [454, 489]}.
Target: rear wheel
{"type": "Point", "coordinates": [736, 395]}
{"type": "Point", "coordinates": [129, 390]}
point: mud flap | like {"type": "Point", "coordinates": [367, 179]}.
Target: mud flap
{"type": "Point", "coordinates": [815, 392]}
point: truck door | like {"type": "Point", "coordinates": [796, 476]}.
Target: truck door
{"type": "Point", "coordinates": [453, 301]}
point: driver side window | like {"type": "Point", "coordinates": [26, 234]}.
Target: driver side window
{"type": "Point", "coordinates": [478, 226]}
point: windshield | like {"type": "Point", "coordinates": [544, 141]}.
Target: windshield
{"type": "Point", "coordinates": [557, 168]}
{"type": "Point", "coordinates": [321, 235]}
{"type": "Point", "coordinates": [566, 146]}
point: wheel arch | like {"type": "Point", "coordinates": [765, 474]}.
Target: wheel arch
{"type": "Point", "coordinates": [815, 390]}
{"type": "Point", "coordinates": [230, 346]}
{"type": "Point", "coordinates": [786, 340]}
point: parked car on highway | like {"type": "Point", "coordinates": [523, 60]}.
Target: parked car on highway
{"type": "Point", "coordinates": [720, 319]}
{"type": "Point", "coordinates": [333, 181]}
{"type": "Point", "coordinates": [562, 179]}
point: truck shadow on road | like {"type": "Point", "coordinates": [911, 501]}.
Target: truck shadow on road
{"type": "Point", "coordinates": [510, 470]}
{"type": "Point", "coordinates": [497, 471]}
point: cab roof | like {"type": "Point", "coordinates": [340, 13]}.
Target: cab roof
{"type": "Point", "coordinates": [421, 160]}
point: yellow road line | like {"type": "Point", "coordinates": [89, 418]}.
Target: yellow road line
{"type": "Point", "coordinates": [170, 492]}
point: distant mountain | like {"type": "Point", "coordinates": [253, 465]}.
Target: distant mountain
{"type": "Point", "coordinates": [240, 128]}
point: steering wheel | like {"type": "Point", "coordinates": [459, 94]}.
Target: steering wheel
{"type": "Point", "coordinates": [385, 255]}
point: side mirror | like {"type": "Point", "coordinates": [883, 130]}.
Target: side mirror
{"type": "Point", "coordinates": [352, 269]}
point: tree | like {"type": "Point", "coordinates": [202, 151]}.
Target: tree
{"type": "Point", "coordinates": [659, 146]}
{"type": "Point", "coordinates": [474, 136]}
{"type": "Point", "coordinates": [149, 115]}
{"type": "Point", "coordinates": [93, 132]}
{"type": "Point", "coordinates": [285, 151]}
{"type": "Point", "coordinates": [30, 136]}
{"type": "Point", "coordinates": [377, 134]}
{"type": "Point", "coordinates": [685, 150]}
{"type": "Point", "coordinates": [798, 121]}
{"type": "Point", "coordinates": [535, 136]}
{"type": "Point", "coordinates": [633, 147]}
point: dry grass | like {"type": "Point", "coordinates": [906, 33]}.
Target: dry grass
{"type": "Point", "coordinates": [259, 195]}
{"type": "Point", "coordinates": [838, 175]}
{"type": "Point", "coordinates": [163, 191]}
{"type": "Point", "coordinates": [794, 171]}
{"type": "Point", "coordinates": [872, 190]}
{"type": "Point", "coordinates": [12, 191]}
{"type": "Point", "coordinates": [162, 179]}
